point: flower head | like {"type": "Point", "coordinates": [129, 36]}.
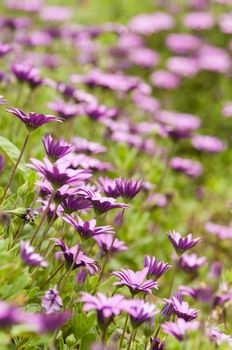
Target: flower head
{"type": "Point", "coordinates": [182, 310]}
{"type": "Point", "coordinates": [75, 257]}
{"type": "Point", "coordinates": [128, 189]}
{"type": "Point", "coordinates": [191, 262]}
{"type": "Point", "coordinates": [101, 204]}
{"type": "Point", "coordinates": [181, 244]}
{"type": "Point", "coordinates": [51, 301]}
{"type": "Point", "coordinates": [57, 174]}
{"type": "Point", "coordinates": [168, 309]}
{"type": "Point", "coordinates": [105, 243]}
{"type": "Point", "coordinates": [56, 149]}
{"type": "Point", "coordinates": [106, 308]}
{"type": "Point", "coordinates": [135, 281]}
{"type": "Point", "coordinates": [32, 120]}
{"type": "Point", "coordinates": [141, 311]}
{"type": "Point", "coordinates": [156, 268]}
{"type": "Point", "coordinates": [208, 144]}
{"type": "Point", "coordinates": [74, 202]}
{"type": "Point", "coordinates": [29, 256]}
{"type": "Point", "coordinates": [180, 328]}
{"type": "Point", "coordinates": [87, 229]}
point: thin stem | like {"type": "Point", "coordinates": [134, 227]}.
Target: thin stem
{"type": "Point", "coordinates": [130, 340]}
{"type": "Point", "coordinates": [172, 280]}
{"type": "Point", "coordinates": [70, 270]}
{"type": "Point", "coordinates": [47, 228]}
{"type": "Point", "coordinates": [15, 167]}
{"type": "Point", "coordinates": [124, 331]}
{"type": "Point", "coordinates": [54, 273]}
{"type": "Point", "coordinates": [109, 252]}
{"type": "Point", "coordinates": [43, 218]}
{"type": "Point", "coordinates": [18, 233]}
{"type": "Point", "coordinates": [145, 344]}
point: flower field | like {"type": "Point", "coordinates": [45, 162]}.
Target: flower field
{"type": "Point", "coordinates": [116, 174]}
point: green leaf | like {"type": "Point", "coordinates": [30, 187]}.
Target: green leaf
{"type": "Point", "coordinates": [11, 152]}
{"type": "Point", "coordinates": [87, 340]}
{"type": "Point", "coordinates": [82, 323]}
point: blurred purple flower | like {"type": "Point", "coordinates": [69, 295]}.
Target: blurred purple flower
{"type": "Point", "coordinates": [29, 256]}
{"type": "Point", "coordinates": [57, 174]}
{"type": "Point", "coordinates": [141, 311]}
{"type": "Point", "coordinates": [164, 79]}
{"type": "Point", "coordinates": [221, 231]}
{"type": "Point", "coordinates": [82, 145]}
{"type": "Point", "coordinates": [208, 144]}
{"type": "Point", "coordinates": [180, 328]}
{"type": "Point", "coordinates": [106, 308]}
{"type": "Point", "coordinates": [105, 243]}
{"type": "Point", "coordinates": [186, 166]}
{"type": "Point", "coordinates": [191, 262]}
{"type": "Point", "coordinates": [182, 310]}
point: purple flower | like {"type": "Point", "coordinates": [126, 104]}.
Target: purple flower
{"type": "Point", "coordinates": [32, 120]}
{"type": "Point", "coordinates": [186, 166]}
{"type": "Point", "coordinates": [98, 112]}
{"type": "Point", "coordinates": [128, 189]}
{"type": "Point", "coordinates": [9, 315]}
{"type": "Point", "coordinates": [156, 268]}
{"type": "Point", "coordinates": [163, 79]}
{"type": "Point", "coordinates": [29, 256]}
{"type": "Point", "coordinates": [74, 256]}
{"type": "Point", "coordinates": [26, 73]}
{"type": "Point", "coordinates": [2, 101]}
{"type": "Point", "coordinates": [106, 308]}
{"type": "Point", "coordinates": [46, 323]}
{"type": "Point", "coordinates": [56, 149]}
{"type": "Point", "coordinates": [51, 301]}
{"type": "Point", "coordinates": [157, 344]}
{"type": "Point", "coordinates": [191, 262]}
{"type": "Point", "coordinates": [221, 231]}
{"type": "Point", "coordinates": [180, 328]}
{"type": "Point", "coordinates": [178, 125]}
{"type": "Point", "coordinates": [105, 243]}
{"type": "Point", "coordinates": [82, 145]}
{"type": "Point", "coordinates": [168, 309]}
{"type": "Point", "coordinates": [147, 24]}
{"type": "Point", "coordinates": [181, 244]}
{"type": "Point", "coordinates": [66, 110]}
{"type": "Point", "coordinates": [201, 294]}
{"type": "Point", "coordinates": [182, 310]}
{"type": "Point", "coordinates": [141, 311]}
{"type": "Point", "coordinates": [198, 20]}
{"type": "Point", "coordinates": [135, 281]}
{"type": "Point", "coordinates": [74, 202]}
{"type": "Point", "coordinates": [109, 186]}
{"type": "Point", "coordinates": [57, 174]}
{"type": "Point", "coordinates": [208, 144]}
{"type": "Point", "coordinates": [182, 43]}
{"type": "Point", "coordinates": [101, 204]}
{"type": "Point", "coordinates": [87, 229]}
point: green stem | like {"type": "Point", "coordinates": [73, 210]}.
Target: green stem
{"type": "Point", "coordinates": [43, 218]}
{"type": "Point", "coordinates": [15, 167]}
{"type": "Point", "coordinates": [47, 228]}
{"type": "Point", "coordinates": [69, 271]}
{"type": "Point", "coordinates": [124, 331]}
{"type": "Point", "coordinates": [172, 280]}
{"type": "Point", "coordinates": [130, 340]}
{"type": "Point", "coordinates": [109, 252]}
{"type": "Point", "coordinates": [54, 273]}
